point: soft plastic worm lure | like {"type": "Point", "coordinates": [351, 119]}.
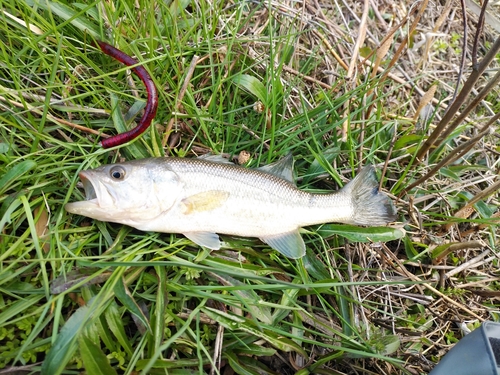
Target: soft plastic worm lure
{"type": "Point", "coordinates": [151, 104]}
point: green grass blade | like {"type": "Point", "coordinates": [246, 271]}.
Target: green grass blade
{"type": "Point", "coordinates": [125, 297]}
{"type": "Point", "coordinates": [65, 345]}
{"type": "Point", "coordinates": [252, 85]}
{"type": "Point", "coordinates": [361, 234]}
{"type": "Point", "coordinates": [132, 150]}
{"type": "Point", "coordinates": [94, 361]}
{"type": "Point", "coordinates": [115, 324]}
{"type": "Point", "coordinates": [160, 306]}
{"type": "Point", "coordinates": [68, 14]}
{"type": "Point", "coordinates": [13, 174]}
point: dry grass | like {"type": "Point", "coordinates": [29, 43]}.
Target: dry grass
{"type": "Point", "coordinates": [457, 289]}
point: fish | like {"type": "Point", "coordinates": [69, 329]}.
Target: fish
{"type": "Point", "coordinates": [204, 197]}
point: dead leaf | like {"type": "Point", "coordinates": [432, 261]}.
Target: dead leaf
{"type": "Point", "coordinates": [41, 226]}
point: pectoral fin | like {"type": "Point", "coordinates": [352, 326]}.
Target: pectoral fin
{"type": "Point", "coordinates": [205, 239]}
{"type": "Point", "coordinates": [289, 244]}
{"type": "Point", "coordinates": [205, 201]}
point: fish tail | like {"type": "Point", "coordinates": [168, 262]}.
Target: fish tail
{"type": "Point", "coordinates": [370, 206]}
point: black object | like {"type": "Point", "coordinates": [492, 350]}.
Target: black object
{"type": "Point", "coordinates": [478, 353]}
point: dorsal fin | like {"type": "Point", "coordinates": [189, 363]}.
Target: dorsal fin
{"type": "Point", "coordinates": [215, 158]}
{"type": "Point", "coordinates": [282, 168]}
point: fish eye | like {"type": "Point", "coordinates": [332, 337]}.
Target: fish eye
{"type": "Point", "coordinates": [117, 173]}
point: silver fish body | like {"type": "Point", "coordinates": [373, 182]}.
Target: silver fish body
{"type": "Point", "coordinates": [200, 198]}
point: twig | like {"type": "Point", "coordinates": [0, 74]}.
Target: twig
{"type": "Point", "coordinates": [306, 77]}
{"type": "Point", "coordinates": [319, 11]}
{"type": "Point", "coordinates": [479, 30]}
{"type": "Point", "coordinates": [481, 195]}
{"type": "Point", "coordinates": [389, 153]}
{"type": "Point", "coordinates": [360, 40]}
{"type": "Point", "coordinates": [217, 357]}
{"type": "Point", "coordinates": [413, 26]}
{"type": "Point", "coordinates": [332, 51]}
{"type": "Point", "coordinates": [381, 21]}
{"type": "Point", "coordinates": [473, 104]}
{"type": "Point", "coordinates": [426, 285]}
{"type": "Point", "coordinates": [461, 97]}
{"type": "Point", "coordinates": [469, 263]}
{"type": "Point", "coordinates": [456, 154]}
{"type": "Point", "coordinates": [390, 35]}
{"type": "Point", "coordinates": [464, 49]}
{"type": "Point", "coordinates": [54, 119]}
{"type": "Point", "coordinates": [483, 283]}
{"type": "Point", "coordinates": [437, 25]}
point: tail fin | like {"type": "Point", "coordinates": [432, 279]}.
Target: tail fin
{"type": "Point", "coordinates": [371, 207]}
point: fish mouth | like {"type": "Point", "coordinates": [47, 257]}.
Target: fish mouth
{"type": "Point", "coordinates": [96, 197]}
{"type": "Point", "coordinates": [88, 187]}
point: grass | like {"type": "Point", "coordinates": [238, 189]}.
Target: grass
{"type": "Point", "coordinates": [76, 294]}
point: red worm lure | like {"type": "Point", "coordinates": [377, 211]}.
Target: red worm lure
{"type": "Point", "coordinates": [151, 104]}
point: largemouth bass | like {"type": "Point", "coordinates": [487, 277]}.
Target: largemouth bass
{"type": "Point", "coordinates": [200, 198]}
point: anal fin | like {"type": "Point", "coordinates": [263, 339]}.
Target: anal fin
{"type": "Point", "coordinates": [205, 239]}
{"type": "Point", "coordinates": [289, 244]}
